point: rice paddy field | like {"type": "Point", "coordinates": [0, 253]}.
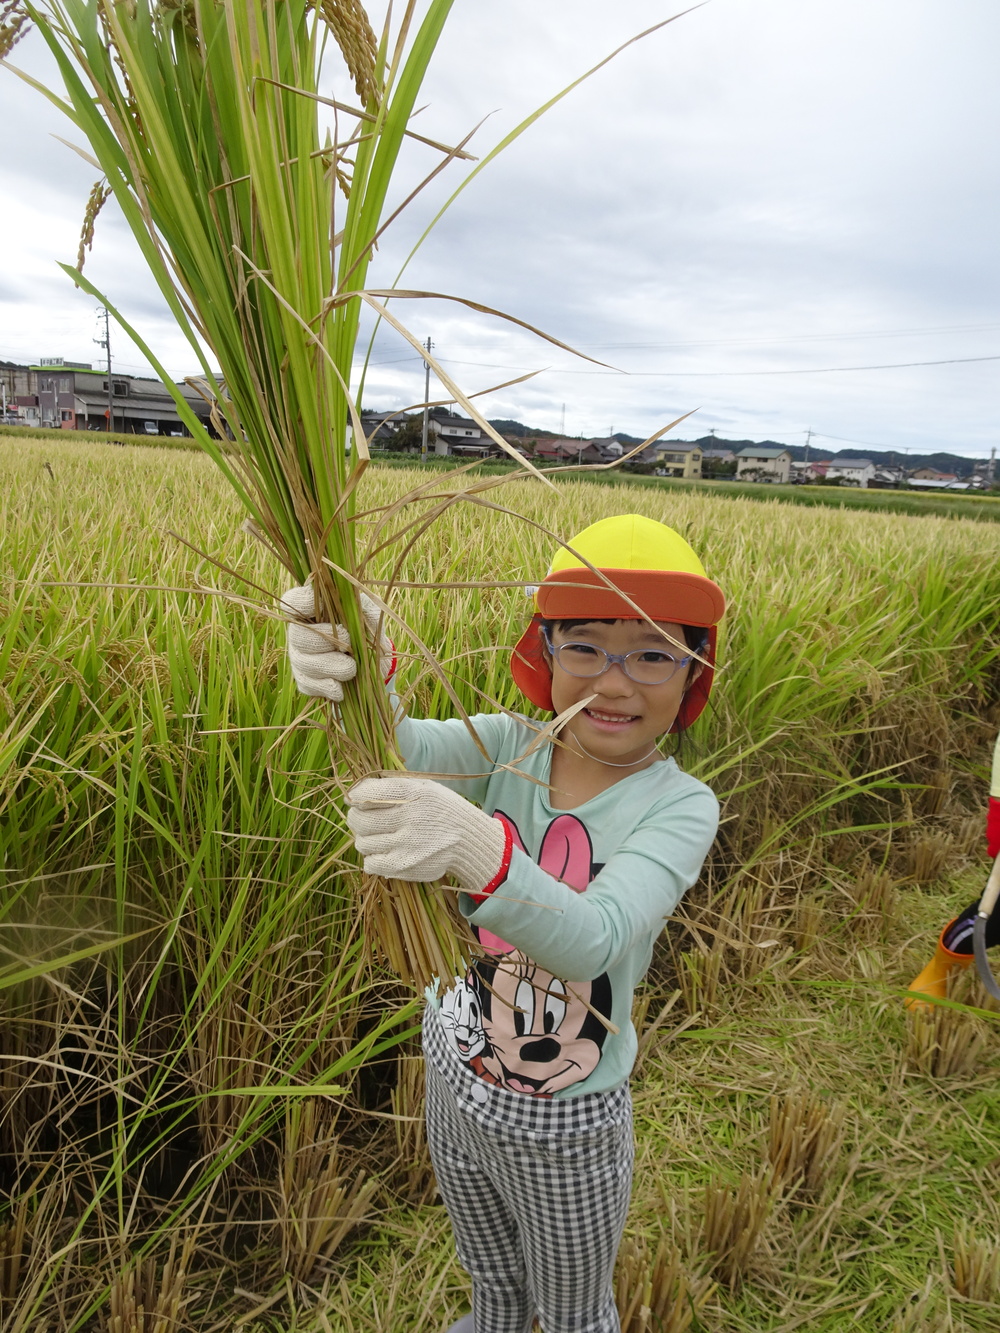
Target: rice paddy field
{"type": "Point", "coordinates": [209, 1087]}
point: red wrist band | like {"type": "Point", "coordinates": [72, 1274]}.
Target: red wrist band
{"type": "Point", "coordinates": [501, 875]}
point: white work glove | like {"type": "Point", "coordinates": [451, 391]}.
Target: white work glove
{"type": "Point", "coordinates": [320, 655]}
{"type": "Point", "coordinates": [412, 828]}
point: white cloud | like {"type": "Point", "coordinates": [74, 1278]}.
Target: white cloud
{"type": "Point", "coordinates": [763, 185]}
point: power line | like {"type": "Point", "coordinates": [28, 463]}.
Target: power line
{"type": "Point", "coordinates": [732, 374]}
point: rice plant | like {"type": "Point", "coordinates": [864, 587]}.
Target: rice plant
{"type": "Point", "coordinates": [259, 230]}
{"type": "Point", "coordinates": [152, 783]}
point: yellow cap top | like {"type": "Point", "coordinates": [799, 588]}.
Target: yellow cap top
{"type": "Point", "coordinates": [630, 541]}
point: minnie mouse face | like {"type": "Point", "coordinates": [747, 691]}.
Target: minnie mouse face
{"type": "Point", "coordinates": [541, 1035]}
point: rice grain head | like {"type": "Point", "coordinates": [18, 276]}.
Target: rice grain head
{"type": "Point", "coordinates": [348, 22]}
{"type": "Point", "coordinates": [13, 26]}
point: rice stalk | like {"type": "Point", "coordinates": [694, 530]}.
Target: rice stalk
{"type": "Point", "coordinates": [698, 977]}
{"type": "Point", "coordinates": [654, 1292]}
{"type": "Point", "coordinates": [943, 1043]}
{"type": "Point", "coordinates": [928, 857]}
{"type": "Point", "coordinates": [205, 121]}
{"type": "Point", "coordinates": [805, 1139]}
{"type": "Point", "coordinates": [144, 1300]}
{"type": "Point", "coordinates": [976, 1266]}
{"type": "Point", "coordinates": [876, 896]}
{"type": "Point", "coordinates": [733, 1224]}
{"type": "Point", "coordinates": [318, 1205]}
{"type": "Point", "coordinates": [946, 1041]}
{"type": "Point", "coordinates": [413, 1156]}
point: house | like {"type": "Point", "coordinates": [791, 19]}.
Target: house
{"type": "Point", "coordinates": [381, 428]}
{"type": "Point", "coordinates": [887, 478]}
{"type": "Point", "coordinates": [759, 464]}
{"type": "Point", "coordinates": [14, 384]}
{"type": "Point", "coordinates": [931, 484]}
{"type": "Point", "coordinates": [932, 474]}
{"type": "Point", "coordinates": [853, 471]}
{"type": "Point", "coordinates": [678, 460]}
{"type": "Point", "coordinates": [448, 433]}
{"type": "Point", "coordinates": [563, 450]}
{"type": "Point", "coordinates": [719, 455]}
{"type": "Point", "coordinates": [71, 395]}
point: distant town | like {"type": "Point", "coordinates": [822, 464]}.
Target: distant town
{"type": "Point", "coordinates": [74, 396]}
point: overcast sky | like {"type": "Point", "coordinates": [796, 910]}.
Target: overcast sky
{"type": "Point", "coordinates": [747, 202]}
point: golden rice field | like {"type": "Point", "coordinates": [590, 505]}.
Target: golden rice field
{"type": "Point", "coordinates": [209, 1092]}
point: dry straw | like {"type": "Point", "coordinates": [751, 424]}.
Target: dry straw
{"type": "Point", "coordinates": [654, 1291]}
{"type": "Point", "coordinates": [734, 1221]}
{"type": "Point", "coordinates": [806, 1136]}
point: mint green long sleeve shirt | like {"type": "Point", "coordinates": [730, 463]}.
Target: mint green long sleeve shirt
{"type": "Point", "coordinates": [569, 933]}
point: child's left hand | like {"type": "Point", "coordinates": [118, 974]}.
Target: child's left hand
{"type": "Point", "coordinates": [412, 828]}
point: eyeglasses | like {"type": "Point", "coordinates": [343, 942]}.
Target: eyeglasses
{"type": "Point", "coordinates": [646, 666]}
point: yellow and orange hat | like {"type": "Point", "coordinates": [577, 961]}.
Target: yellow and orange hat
{"type": "Point", "coordinates": [646, 569]}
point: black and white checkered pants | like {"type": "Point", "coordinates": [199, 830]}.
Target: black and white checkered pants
{"type": "Point", "coordinates": [537, 1191]}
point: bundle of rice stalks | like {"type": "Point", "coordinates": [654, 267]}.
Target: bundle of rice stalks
{"type": "Point", "coordinates": [806, 1136]}
{"type": "Point", "coordinates": [259, 222]}
{"type": "Point", "coordinates": [876, 897]}
{"type": "Point", "coordinates": [654, 1293]}
{"type": "Point", "coordinates": [734, 1222]}
{"type": "Point", "coordinates": [319, 1205]}
{"type": "Point", "coordinates": [944, 1042]}
{"type": "Point", "coordinates": [976, 1267]}
{"type": "Point", "coordinates": [141, 1301]}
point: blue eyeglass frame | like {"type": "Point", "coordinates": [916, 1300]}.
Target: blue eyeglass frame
{"type": "Point", "coordinates": [613, 659]}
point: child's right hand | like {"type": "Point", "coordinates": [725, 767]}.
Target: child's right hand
{"type": "Point", "coordinates": [320, 655]}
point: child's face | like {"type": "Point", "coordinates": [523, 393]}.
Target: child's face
{"type": "Point", "coordinates": [625, 719]}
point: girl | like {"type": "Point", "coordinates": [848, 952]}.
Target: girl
{"type": "Point", "coordinates": [567, 881]}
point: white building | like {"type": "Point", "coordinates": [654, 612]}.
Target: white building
{"type": "Point", "coordinates": [448, 433]}
{"type": "Point", "coordinates": [853, 471]}
{"type": "Point", "coordinates": [755, 464]}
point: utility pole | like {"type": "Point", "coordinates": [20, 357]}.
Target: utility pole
{"type": "Point", "coordinates": [990, 470]}
{"type": "Point", "coordinates": [562, 430]}
{"type": "Point", "coordinates": [809, 435]}
{"type": "Point", "coordinates": [105, 342]}
{"type": "Point", "coordinates": [427, 400]}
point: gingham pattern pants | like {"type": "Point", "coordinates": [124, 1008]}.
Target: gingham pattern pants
{"type": "Point", "coordinates": [537, 1191]}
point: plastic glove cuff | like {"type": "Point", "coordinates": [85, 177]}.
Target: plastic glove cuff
{"type": "Point", "coordinates": [501, 875]}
